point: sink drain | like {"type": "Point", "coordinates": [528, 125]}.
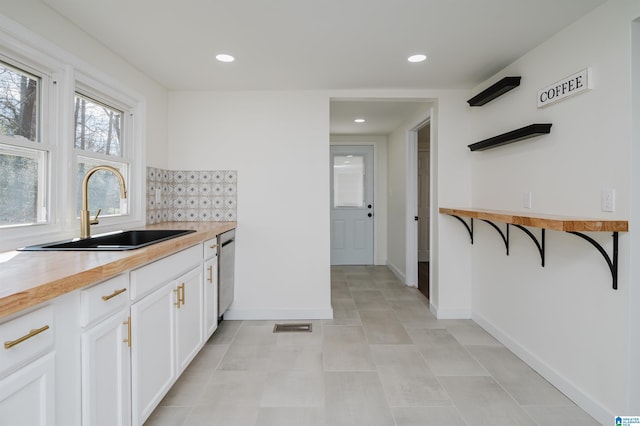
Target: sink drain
{"type": "Point", "coordinates": [284, 328]}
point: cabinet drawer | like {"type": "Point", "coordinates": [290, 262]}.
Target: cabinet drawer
{"type": "Point", "coordinates": [100, 300]}
{"type": "Point", "coordinates": [25, 338]}
{"type": "Point", "coordinates": [211, 248]}
{"type": "Point", "coordinates": [153, 275]}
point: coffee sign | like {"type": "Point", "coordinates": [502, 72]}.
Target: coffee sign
{"type": "Point", "coordinates": [572, 85]}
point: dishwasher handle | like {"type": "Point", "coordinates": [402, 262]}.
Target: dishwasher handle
{"type": "Point", "coordinates": [228, 242]}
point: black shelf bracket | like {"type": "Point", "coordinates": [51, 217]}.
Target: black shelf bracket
{"type": "Point", "coordinates": [469, 226]}
{"type": "Point", "coordinates": [495, 90]}
{"type": "Point", "coordinates": [540, 244]}
{"type": "Point", "coordinates": [612, 261]}
{"type": "Point", "coordinates": [505, 236]}
{"type": "Point", "coordinates": [522, 133]}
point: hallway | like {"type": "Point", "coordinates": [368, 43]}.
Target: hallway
{"type": "Point", "coordinates": [383, 360]}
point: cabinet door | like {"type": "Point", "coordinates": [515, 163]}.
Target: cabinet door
{"type": "Point", "coordinates": [153, 366]}
{"type": "Point", "coordinates": [106, 373]}
{"type": "Point", "coordinates": [210, 296]}
{"type": "Point", "coordinates": [27, 397]}
{"type": "Point", "coordinates": [189, 317]}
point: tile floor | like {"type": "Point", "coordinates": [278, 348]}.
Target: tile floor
{"type": "Point", "coordinates": [383, 360]}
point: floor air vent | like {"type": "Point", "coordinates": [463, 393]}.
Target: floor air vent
{"type": "Point", "coordinates": [284, 328]}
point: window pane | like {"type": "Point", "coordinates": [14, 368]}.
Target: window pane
{"type": "Point", "coordinates": [348, 181]}
{"type": "Point", "coordinates": [21, 188]}
{"type": "Point", "coordinates": [18, 103]}
{"type": "Point", "coordinates": [104, 188]}
{"type": "Point", "coordinates": [98, 127]}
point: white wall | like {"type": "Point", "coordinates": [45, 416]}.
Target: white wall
{"type": "Point", "coordinates": [634, 237]}
{"type": "Point", "coordinates": [564, 319]}
{"type": "Point", "coordinates": [279, 144]}
{"type": "Point", "coordinates": [45, 22]}
{"type": "Point", "coordinates": [450, 294]}
{"type": "Point", "coordinates": [397, 198]}
{"type": "Point", "coordinates": [380, 189]}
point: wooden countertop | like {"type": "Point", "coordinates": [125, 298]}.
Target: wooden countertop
{"type": "Point", "coordinates": [28, 278]}
{"type": "Point", "coordinates": [537, 220]}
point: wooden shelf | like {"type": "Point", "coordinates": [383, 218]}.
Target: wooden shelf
{"type": "Point", "coordinates": [522, 133]}
{"type": "Point", "coordinates": [572, 225]}
{"type": "Point", "coordinates": [495, 90]}
{"type": "Point", "coordinates": [545, 221]}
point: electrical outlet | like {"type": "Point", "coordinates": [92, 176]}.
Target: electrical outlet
{"type": "Point", "coordinates": [608, 200]}
{"type": "Point", "coordinates": [158, 195]}
{"type": "Point", "coordinates": [526, 200]}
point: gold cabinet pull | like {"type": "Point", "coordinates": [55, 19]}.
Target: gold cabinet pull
{"type": "Point", "coordinates": [114, 294]}
{"type": "Point", "coordinates": [34, 332]}
{"type": "Point", "coordinates": [128, 324]}
{"type": "Point", "coordinates": [213, 246]}
{"type": "Point", "coordinates": [177, 291]}
{"type": "Point", "coordinates": [179, 295]}
{"type": "Point", "coordinates": [210, 269]}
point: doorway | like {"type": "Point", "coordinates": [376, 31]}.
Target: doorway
{"type": "Point", "coordinates": [423, 201]}
{"type": "Point", "coordinates": [412, 196]}
{"type": "Point", "coordinates": [352, 205]}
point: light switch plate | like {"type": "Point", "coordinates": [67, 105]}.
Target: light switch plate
{"type": "Point", "coordinates": [526, 199]}
{"type": "Point", "coordinates": [608, 200]}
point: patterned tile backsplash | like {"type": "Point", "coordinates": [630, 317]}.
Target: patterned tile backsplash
{"type": "Point", "coordinates": [191, 196]}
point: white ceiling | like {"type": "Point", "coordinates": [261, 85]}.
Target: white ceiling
{"type": "Point", "coordinates": [321, 44]}
{"type": "Point", "coordinates": [382, 116]}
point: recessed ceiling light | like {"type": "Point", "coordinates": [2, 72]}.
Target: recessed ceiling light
{"type": "Point", "coordinates": [223, 57]}
{"type": "Point", "coordinates": [417, 58]}
{"type": "Point", "coordinates": [359, 120]}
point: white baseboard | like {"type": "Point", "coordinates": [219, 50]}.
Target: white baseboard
{"type": "Point", "coordinates": [278, 314]}
{"type": "Point", "coordinates": [447, 313]}
{"type": "Point", "coordinates": [397, 273]}
{"type": "Point", "coordinates": [583, 400]}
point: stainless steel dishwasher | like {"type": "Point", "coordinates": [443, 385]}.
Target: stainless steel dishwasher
{"type": "Point", "coordinates": [226, 270]}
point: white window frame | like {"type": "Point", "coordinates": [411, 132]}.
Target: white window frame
{"type": "Point", "coordinates": [62, 74]}
{"type": "Point", "coordinates": [22, 56]}
{"type": "Point", "coordinates": [98, 92]}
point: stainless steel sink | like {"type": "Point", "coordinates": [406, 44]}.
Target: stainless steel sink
{"type": "Point", "coordinates": [126, 240]}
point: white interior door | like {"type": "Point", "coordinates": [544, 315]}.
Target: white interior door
{"type": "Point", "coordinates": [352, 205]}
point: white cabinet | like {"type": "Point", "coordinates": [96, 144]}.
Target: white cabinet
{"type": "Point", "coordinates": [167, 333]}
{"type": "Point", "coordinates": [189, 317]}
{"type": "Point", "coordinates": [100, 300]}
{"type": "Point", "coordinates": [153, 366]}
{"type": "Point", "coordinates": [27, 397]}
{"type": "Point", "coordinates": [210, 269]}
{"type": "Point", "coordinates": [27, 394]}
{"type": "Point", "coordinates": [166, 324]}
{"type": "Point", "coordinates": [25, 338]}
{"type": "Point", "coordinates": [105, 354]}
{"type": "Point", "coordinates": [124, 343]}
{"type": "Point", "coordinates": [106, 372]}
{"type": "Point", "coordinates": [149, 277]}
